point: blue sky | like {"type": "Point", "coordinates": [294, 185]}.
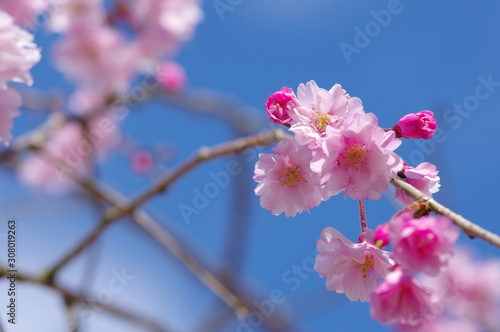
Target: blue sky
{"type": "Point", "coordinates": [432, 55]}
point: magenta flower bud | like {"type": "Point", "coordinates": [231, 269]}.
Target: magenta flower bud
{"type": "Point", "coordinates": [382, 236]}
{"type": "Point", "coordinates": [171, 77]}
{"type": "Point", "coordinates": [279, 103]}
{"type": "Point", "coordinates": [416, 125]}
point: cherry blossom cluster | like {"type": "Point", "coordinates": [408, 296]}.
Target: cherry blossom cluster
{"type": "Point", "coordinates": [339, 148]}
{"type": "Point", "coordinates": [102, 48]}
{"type": "Point", "coordinates": [18, 53]}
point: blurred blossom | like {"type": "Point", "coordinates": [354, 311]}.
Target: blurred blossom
{"type": "Point", "coordinates": [171, 76]}
{"type": "Point", "coordinates": [67, 14]}
{"type": "Point", "coordinates": [450, 325]}
{"type": "Point", "coordinates": [97, 57]}
{"type": "Point", "coordinates": [470, 289]}
{"type": "Point", "coordinates": [17, 51]}
{"type": "Point", "coordinates": [403, 299]}
{"type": "Point", "coordinates": [162, 25]}
{"type": "Point", "coordinates": [10, 101]}
{"type": "Point", "coordinates": [24, 12]}
{"type": "Point", "coordinates": [142, 161]}
{"type": "Point", "coordinates": [86, 100]}
{"type": "Point", "coordinates": [75, 151]}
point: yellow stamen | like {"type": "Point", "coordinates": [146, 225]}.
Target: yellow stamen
{"type": "Point", "coordinates": [291, 175]}
{"type": "Point", "coordinates": [368, 264]}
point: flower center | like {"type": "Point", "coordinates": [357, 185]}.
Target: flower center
{"type": "Point", "coordinates": [354, 155]}
{"type": "Point", "coordinates": [291, 175]}
{"type": "Point", "coordinates": [320, 121]}
{"type": "Point", "coordinates": [368, 264]}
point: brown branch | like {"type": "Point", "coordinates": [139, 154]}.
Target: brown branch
{"type": "Point", "coordinates": [120, 209]}
{"type": "Point", "coordinates": [469, 228]}
{"type": "Point", "coordinates": [72, 297]}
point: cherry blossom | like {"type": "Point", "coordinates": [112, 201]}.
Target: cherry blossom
{"type": "Point", "coordinates": [351, 268]}
{"type": "Point", "coordinates": [24, 12]}
{"type": "Point", "coordinates": [279, 104]}
{"type": "Point", "coordinates": [171, 76]}
{"type": "Point", "coordinates": [163, 24]}
{"type": "Point", "coordinates": [402, 299]}
{"type": "Point", "coordinates": [96, 56]}
{"type": "Point", "coordinates": [285, 181]}
{"type": "Point", "coordinates": [422, 244]}
{"type": "Point", "coordinates": [320, 109]}
{"type": "Point", "coordinates": [358, 157]}
{"type": "Point", "coordinates": [423, 177]}
{"type": "Point", "coordinates": [18, 52]}
{"type": "Point", "coordinates": [416, 125]}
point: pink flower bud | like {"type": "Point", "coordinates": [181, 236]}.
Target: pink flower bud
{"type": "Point", "coordinates": [416, 125]}
{"type": "Point", "coordinates": [172, 77]}
{"type": "Point", "coordinates": [142, 162]}
{"type": "Point", "coordinates": [382, 236]}
{"type": "Point", "coordinates": [279, 103]}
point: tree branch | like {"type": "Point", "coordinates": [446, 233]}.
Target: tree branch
{"type": "Point", "coordinates": [469, 228]}
{"type": "Point", "coordinates": [87, 300]}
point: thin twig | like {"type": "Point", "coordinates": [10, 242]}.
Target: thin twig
{"type": "Point", "coordinates": [469, 228]}
{"type": "Point", "coordinates": [89, 301]}
{"type": "Point", "coordinates": [120, 209]}
{"type": "Point", "coordinates": [362, 216]}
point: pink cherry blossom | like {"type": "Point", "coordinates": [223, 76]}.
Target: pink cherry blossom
{"type": "Point", "coordinates": [285, 181]}
{"type": "Point", "coordinates": [24, 12]}
{"type": "Point", "coordinates": [163, 24]}
{"type": "Point", "coordinates": [279, 104]}
{"type": "Point", "coordinates": [10, 101]}
{"type": "Point", "coordinates": [351, 268]}
{"type": "Point", "coordinates": [403, 299]}
{"type": "Point", "coordinates": [320, 109]}
{"type": "Point", "coordinates": [423, 177]}
{"type": "Point", "coordinates": [66, 15]}
{"type": "Point", "coordinates": [423, 245]}
{"type": "Point", "coordinates": [381, 238]}
{"type": "Point", "coordinates": [358, 157]}
{"type": "Point", "coordinates": [450, 325]}
{"type": "Point", "coordinates": [172, 77]}
{"type": "Point", "coordinates": [71, 151]}
{"type": "Point", "coordinates": [97, 57]}
{"type": "Point", "coordinates": [142, 161]}
{"type": "Point", "coordinates": [469, 288]}
{"type": "Point", "coordinates": [416, 125]}
{"type": "Point", "coordinates": [17, 51]}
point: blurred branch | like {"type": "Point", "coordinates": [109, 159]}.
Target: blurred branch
{"type": "Point", "coordinates": [469, 228]}
{"type": "Point", "coordinates": [71, 297]}
{"type": "Point", "coordinates": [240, 307]}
